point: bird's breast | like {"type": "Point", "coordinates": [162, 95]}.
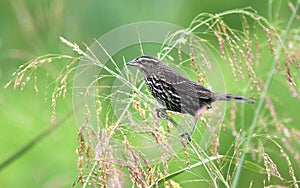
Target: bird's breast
{"type": "Point", "coordinates": [164, 93]}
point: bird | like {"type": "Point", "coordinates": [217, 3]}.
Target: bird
{"type": "Point", "coordinates": [177, 93]}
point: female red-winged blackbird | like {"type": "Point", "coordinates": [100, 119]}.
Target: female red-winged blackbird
{"type": "Point", "coordinates": [176, 92]}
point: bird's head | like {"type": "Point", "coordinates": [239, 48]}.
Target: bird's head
{"type": "Point", "coordinates": [144, 63]}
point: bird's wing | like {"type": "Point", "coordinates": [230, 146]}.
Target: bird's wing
{"type": "Point", "coordinates": [184, 86]}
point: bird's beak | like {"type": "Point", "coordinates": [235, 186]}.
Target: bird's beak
{"type": "Point", "coordinates": [132, 63]}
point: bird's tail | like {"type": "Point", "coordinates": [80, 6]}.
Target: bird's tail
{"type": "Point", "coordinates": [234, 98]}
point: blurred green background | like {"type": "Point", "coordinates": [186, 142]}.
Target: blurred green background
{"type": "Point", "coordinates": [31, 28]}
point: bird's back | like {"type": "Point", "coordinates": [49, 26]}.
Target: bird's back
{"type": "Point", "coordinates": [176, 92]}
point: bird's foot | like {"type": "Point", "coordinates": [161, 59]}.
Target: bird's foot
{"type": "Point", "coordinates": [161, 113]}
{"type": "Point", "coordinates": [186, 136]}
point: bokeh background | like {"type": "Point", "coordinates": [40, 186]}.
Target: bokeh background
{"type": "Point", "coordinates": [31, 28]}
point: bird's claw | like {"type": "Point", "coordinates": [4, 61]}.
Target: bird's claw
{"type": "Point", "coordinates": [187, 136]}
{"type": "Point", "coordinates": [161, 112]}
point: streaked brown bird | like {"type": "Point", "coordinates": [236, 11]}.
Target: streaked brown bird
{"type": "Point", "coordinates": [178, 93]}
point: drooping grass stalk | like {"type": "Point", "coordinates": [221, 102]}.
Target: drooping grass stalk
{"type": "Point", "coordinates": [202, 162]}
{"type": "Point", "coordinates": [19, 153]}
{"type": "Point", "coordinates": [271, 73]}
{"type": "Point", "coordinates": [206, 168]}
{"type": "Point", "coordinates": [225, 13]}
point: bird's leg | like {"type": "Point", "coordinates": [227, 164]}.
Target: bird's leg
{"type": "Point", "coordinates": [196, 117]}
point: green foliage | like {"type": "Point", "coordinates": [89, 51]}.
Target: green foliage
{"type": "Point", "coordinates": [258, 53]}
